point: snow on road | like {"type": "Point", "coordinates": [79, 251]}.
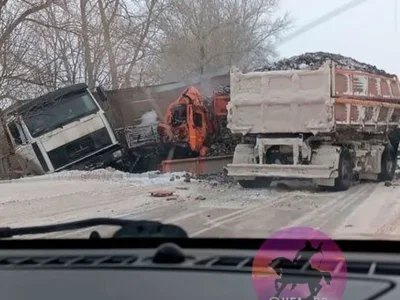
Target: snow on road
{"type": "Point", "coordinates": [73, 195]}
{"type": "Point", "coordinates": [202, 208]}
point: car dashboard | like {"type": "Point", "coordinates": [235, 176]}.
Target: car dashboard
{"type": "Point", "coordinates": [167, 271]}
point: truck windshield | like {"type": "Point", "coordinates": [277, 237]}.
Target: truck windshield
{"type": "Point", "coordinates": [53, 114]}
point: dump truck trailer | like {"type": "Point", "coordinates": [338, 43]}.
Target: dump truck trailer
{"type": "Point", "coordinates": [331, 124]}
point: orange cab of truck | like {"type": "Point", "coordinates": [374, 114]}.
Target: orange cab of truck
{"type": "Point", "coordinates": [186, 122]}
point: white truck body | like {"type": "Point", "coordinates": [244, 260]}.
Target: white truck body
{"type": "Point", "coordinates": [281, 102]}
{"type": "Point", "coordinates": [62, 129]}
{"type": "Point", "coordinates": [307, 118]}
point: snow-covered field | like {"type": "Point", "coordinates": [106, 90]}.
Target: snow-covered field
{"type": "Point", "coordinates": [202, 208]}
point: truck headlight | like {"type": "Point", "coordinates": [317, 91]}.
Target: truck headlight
{"type": "Point", "coordinates": [117, 154]}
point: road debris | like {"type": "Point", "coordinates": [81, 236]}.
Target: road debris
{"type": "Point", "coordinates": [215, 179]}
{"type": "Point", "coordinates": [161, 193]}
{"type": "Point", "coordinates": [187, 177]}
{"type": "Point", "coordinates": [247, 213]}
{"type": "Point", "coordinates": [181, 188]}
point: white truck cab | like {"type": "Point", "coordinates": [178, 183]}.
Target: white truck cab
{"type": "Point", "coordinates": [60, 130]}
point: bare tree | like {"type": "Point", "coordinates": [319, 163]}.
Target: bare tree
{"type": "Point", "coordinates": [203, 34]}
{"type": "Point", "coordinates": [13, 14]}
{"type": "Point", "coordinates": [14, 45]}
{"type": "Point", "coordinates": [45, 44]}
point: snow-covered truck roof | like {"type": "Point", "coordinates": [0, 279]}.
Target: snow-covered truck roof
{"type": "Point", "coordinates": [295, 98]}
{"type": "Point", "coordinates": [315, 60]}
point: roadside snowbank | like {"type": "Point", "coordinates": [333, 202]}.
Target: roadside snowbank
{"type": "Point", "coordinates": [143, 179]}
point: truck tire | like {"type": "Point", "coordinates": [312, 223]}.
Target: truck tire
{"type": "Point", "coordinates": [258, 183]}
{"type": "Point", "coordinates": [344, 180]}
{"type": "Point", "coordinates": [388, 164]}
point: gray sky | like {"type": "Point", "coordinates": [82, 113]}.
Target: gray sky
{"type": "Point", "coordinates": [369, 32]}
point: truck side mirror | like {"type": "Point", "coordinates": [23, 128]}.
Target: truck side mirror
{"type": "Point", "coordinates": [102, 94]}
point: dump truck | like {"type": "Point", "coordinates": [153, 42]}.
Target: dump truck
{"type": "Point", "coordinates": [60, 130]}
{"type": "Point", "coordinates": [332, 124]}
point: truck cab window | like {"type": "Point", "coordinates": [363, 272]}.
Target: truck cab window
{"type": "Point", "coordinates": [15, 133]}
{"type": "Point", "coordinates": [198, 120]}
{"type": "Point", "coordinates": [179, 115]}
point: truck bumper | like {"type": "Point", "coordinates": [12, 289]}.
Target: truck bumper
{"type": "Point", "coordinates": [251, 171]}
{"type": "Point", "coordinates": [101, 159]}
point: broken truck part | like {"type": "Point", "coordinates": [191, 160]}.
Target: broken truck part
{"type": "Point", "coordinates": [197, 165]}
{"type": "Point", "coordinates": [194, 127]}
{"type": "Point", "coordinates": [64, 129]}
{"type": "Point", "coordinates": [327, 124]}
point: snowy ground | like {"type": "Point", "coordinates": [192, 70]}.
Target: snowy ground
{"type": "Point", "coordinates": [203, 209]}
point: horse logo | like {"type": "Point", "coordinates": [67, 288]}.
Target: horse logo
{"type": "Point", "coordinates": [288, 265]}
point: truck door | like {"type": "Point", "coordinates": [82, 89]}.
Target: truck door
{"type": "Point", "coordinates": [197, 127]}
{"type": "Point", "coordinates": [17, 133]}
{"type": "Point", "coordinates": [26, 158]}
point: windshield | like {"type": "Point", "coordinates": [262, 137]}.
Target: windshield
{"type": "Point", "coordinates": [51, 115]}
{"type": "Point", "coordinates": [293, 119]}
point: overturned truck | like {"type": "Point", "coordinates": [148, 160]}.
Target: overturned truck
{"type": "Point", "coordinates": [63, 129]}
{"type": "Point", "coordinates": [331, 123]}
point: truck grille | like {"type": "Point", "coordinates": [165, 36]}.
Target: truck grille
{"type": "Point", "coordinates": [79, 148]}
{"type": "Point", "coordinates": [139, 136]}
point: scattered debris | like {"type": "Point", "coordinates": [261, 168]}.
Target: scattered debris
{"type": "Point", "coordinates": [172, 178]}
{"type": "Point", "coordinates": [187, 177]}
{"type": "Point", "coordinates": [214, 183]}
{"type": "Point", "coordinates": [172, 198]}
{"type": "Point", "coordinates": [181, 188]}
{"type": "Point", "coordinates": [200, 198]}
{"type": "Point", "coordinates": [215, 179]}
{"type": "Point", "coordinates": [314, 60]}
{"type": "Point", "coordinates": [349, 225]}
{"type": "Point", "coordinates": [388, 183]}
{"type": "Point", "coordinates": [161, 193]}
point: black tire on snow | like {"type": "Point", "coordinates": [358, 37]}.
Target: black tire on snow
{"type": "Point", "coordinates": [344, 180]}
{"type": "Point", "coordinates": [388, 164]}
{"type": "Point", "coordinates": [258, 183]}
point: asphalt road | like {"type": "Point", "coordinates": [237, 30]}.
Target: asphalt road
{"type": "Point", "coordinates": [368, 210]}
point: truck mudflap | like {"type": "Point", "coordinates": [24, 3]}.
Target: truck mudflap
{"type": "Point", "coordinates": [251, 171]}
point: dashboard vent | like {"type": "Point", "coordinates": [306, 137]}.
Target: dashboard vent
{"type": "Point", "coordinates": [358, 267]}
{"type": "Point", "coordinates": [387, 269]}
{"type": "Point", "coordinates": [64, 261]}
{"type": "Point", "coordinates": [246, 263]}
{"type": "Point", "coordinates": [235, 263]}
{"type": "Point", "coordinates": [226, 262]}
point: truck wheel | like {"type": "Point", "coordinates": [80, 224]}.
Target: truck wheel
{"type": "Point", "coordinates": [343, 182]}
{"type": "Point", "coordinates": [388, 164]}
{"type": "Point", "coordinates": [258, 183]}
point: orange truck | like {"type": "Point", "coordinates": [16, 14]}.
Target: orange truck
{"type": "Point", "coordinates": [193, 123]}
